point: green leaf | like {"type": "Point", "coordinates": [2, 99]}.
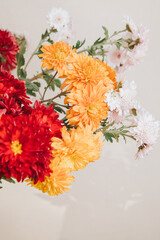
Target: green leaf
{"type": "Point", "coordinates": [21, 74]}
{"type": "Point", "coordinates": [31, 87]}
{"type": "Point", "coordinates": [105, 32]}
{"type": "Point", "coordinates": [45, 35]}
{"type": "Point", "coordinates": [57, 83]}
{"type": "Point", "coordinates": [20, 59]}
{"type": "Point", "coordinates": [52, 85]}
{"type": "Point", "coordinates": [39, 52]}
{"type": "Point", "coordinates": [91, 51]}
{"type": "Point", "coordinates": [8, 180]}
{"type": "Point", "coordinates": [79, 44]}
{"type": "Point", "coordinates": [50, 40]}
{"type": "Point", "coordinates": [118, 45]}
{"type": "Point", "coordinates": [115, 33]}
{"type": "Point", "coordinates": [38, 84]}
{"type": "Point", "coordinates": [59, 109]}
{"type": "Point", "coordinates": [109, 137]}
{"type": "Point", "coordinates": [99, 41]}
{"type": "Point", "coordinates": [31, 93]}
{"type": "Point", "coordinates": [47, 77]}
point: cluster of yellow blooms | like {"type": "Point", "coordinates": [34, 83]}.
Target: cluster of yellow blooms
{"type": "Point", "coordinates": [87, 80]}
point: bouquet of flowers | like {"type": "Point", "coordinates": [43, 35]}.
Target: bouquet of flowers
{"type": "Point", "coordinates": [43, 140]}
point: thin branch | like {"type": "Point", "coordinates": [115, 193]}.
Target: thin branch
{"type": "Point", "coordinates": [39, 44]}
{"type": "Point", "coordinates": [58, 95]}
{"type": "Point", "coordinates": [66, 106]}
{"type": "Point", "coordinates": [39, 75]}
{"type": "Point", "coordinates": [48, 85]}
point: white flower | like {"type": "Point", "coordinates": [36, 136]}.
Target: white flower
{"type": "Point", "coordinates": [59, 19]}
{"type": "Point", "coordinates": [117, 56]}
{"type": "Point", "coordinates": [146, 130]}
{"type": "Point", "coordinates": [121, 78]}
{"type": "Point", "coordinates": [120, 103]}
{"type": "Point", "coordinates": [113, 100]}
{"type": "Point", "coordinates": [128, 96]}
{"type": "Point", "coordinates": [137, 31]}
{"type": "Point", "coordinates": [121, 68]}
{"type": "Point", "coordinates": [115, 116]}
{"type": "Point", "coordinates": [135, 56]}
{"type": "Point", "coordinates": [140, 33]}
{"type": "Point", "coordinates": [64, 35]}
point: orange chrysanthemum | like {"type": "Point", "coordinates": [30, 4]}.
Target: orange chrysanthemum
{"type": "Point", "coordinates": [58, 181]}
{"type": "Point", "coordinates": [57, 56]}
{"type": "Point", "coordinates": [85, 70]}
{"type": "Point", "coordinates": [88, 106]}
{"type": "Point", "coordinates": [111, 73]}
{"type": "Point", "coordinates": [77, 148]}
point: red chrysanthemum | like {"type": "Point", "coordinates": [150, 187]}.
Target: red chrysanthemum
{"type": "Point", "coordinates": [25, 148]}
{"type": "Point", "coordinates": [8, 50]}
{"type": "Point", "coordinates": [49, 117]}
{"type": "Point", "coordinates": [13, 96]}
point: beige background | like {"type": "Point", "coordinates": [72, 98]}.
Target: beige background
{"type": "Point", "coordinates": [116, 198]}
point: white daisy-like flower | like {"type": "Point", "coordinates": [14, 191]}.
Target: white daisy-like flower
{"type": "Point", "coordinates": [146, 130]}
{"type": "Point", "coordinates": [64, 35]}
{"type": "Point", "coordinates": [121, 78]}
{"type": "Point", "coordinates": [135, 56]}
{"type": "Point", "coordinates": [136, 31]}
{"type": "Point", "coordinates": [128, 20]}
{"type": "Point", "coordinates": [128, 96]}
{"type": "Point", "coordinates": [116, 56]}
{"type": "Point", "coordinates": [140, 33]}
{"type": "Point", "coordinates": [59, 19]}
{"type": "Point", "coordinates": [120, 103]}
{"type": "Point", "coordinates": [115, 116]}
{"type": "Point", "coordinates": [113, 100]}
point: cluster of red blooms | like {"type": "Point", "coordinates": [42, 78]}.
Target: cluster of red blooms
{"type": "Point", "coordinates": [8, 50]}
{"type": "Point", "coordinates": [25, 132]}
{"type": "Point", "coordinates": [13, 98]}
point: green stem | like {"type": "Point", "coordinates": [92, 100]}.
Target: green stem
{"type": "Point", "coordinates": [105, 42]}
{"type": "Point", "coordinates": [104, 128]}
{"type": "Point", "coordinates": [58, 95]}
{"type": "Point", "coordinates": [39, 44]}
{"type": "Point", "coordinates": [116, 33]}
{"type": "Point", "coordinates": [48, 85]}
{"type": "Point", "coordinates": [61, 105]}
{"type": "Point", "coordinates": [39, 75]}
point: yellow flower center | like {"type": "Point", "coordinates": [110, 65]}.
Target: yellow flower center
{"type": "Point", "coordinates": [60, 54]}
{"type": "Point", "coordinates": [16, 147]}
{"type": "Point", "coordinates": [92, 110]}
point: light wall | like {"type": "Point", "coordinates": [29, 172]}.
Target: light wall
{"type": "Point", "coordinates": [117, 197]}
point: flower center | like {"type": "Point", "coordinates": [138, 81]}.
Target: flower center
{"type": "Point", "coordinates": [16, 147]}
{"type": "Point", "coordinates": [92, 110]}
{"type": "Point", "coordinates": [61, 54]}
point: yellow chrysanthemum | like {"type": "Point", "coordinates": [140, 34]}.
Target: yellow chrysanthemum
{"type": "Point", "coordinates": [77, 147]}
{"type": "Point", "coordinates": [57, 56]}
{"type": "Point", "coordinates": [57, 182]}
{"type": "Point", "coordinates": [88, 106]}
{"type": "Point", "coordinates": [86, 70]}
